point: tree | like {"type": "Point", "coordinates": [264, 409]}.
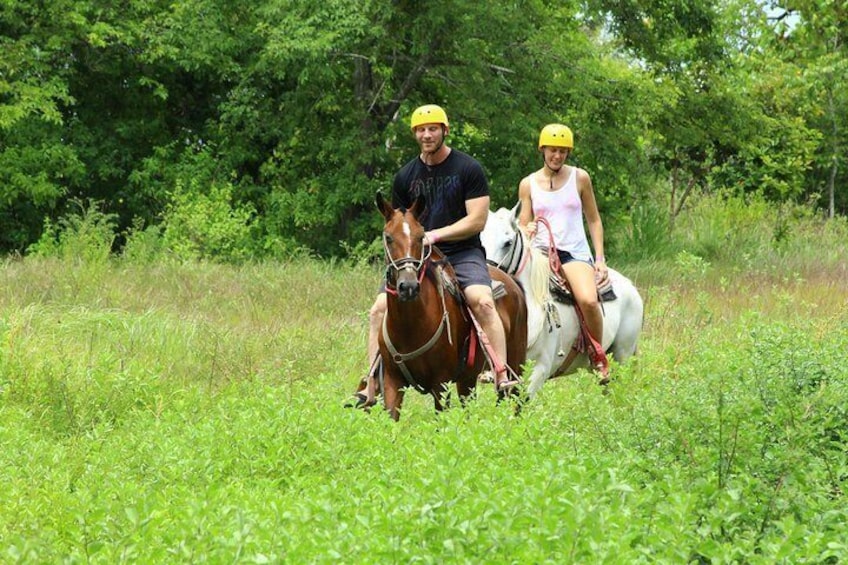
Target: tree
{"type": "Point", "coordinates": [816, 43]}
{"type": "Point", "coordinates": [36, 167]}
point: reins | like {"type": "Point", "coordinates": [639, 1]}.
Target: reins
{"type": "Point", "coordinates": [553, 257]}
{"type": "Point", "coordinates": [585, 341]}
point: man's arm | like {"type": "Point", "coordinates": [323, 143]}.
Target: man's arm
{"type": "Point", "coordinates": [477, 210]}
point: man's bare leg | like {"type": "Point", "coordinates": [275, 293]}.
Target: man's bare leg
{"type": "Point", "coordinates": [483, 306]}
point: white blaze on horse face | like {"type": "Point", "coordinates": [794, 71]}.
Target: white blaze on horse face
{"type": "Point", "coordinates": [407, 231]}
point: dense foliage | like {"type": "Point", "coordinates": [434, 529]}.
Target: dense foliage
{"type": "Point", "coordinates": [285, 116]}
{"type": "Point", "coordinates": [192, 413]}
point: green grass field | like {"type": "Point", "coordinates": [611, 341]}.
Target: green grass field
{"type": "Point", "coordinates": [193, 414]}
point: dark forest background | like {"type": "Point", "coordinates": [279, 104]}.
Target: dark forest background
{"type": "Point", "coordinates": [230, 131]}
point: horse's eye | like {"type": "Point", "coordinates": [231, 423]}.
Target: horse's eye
{"type": "Point", "coordinates": [389, 239]}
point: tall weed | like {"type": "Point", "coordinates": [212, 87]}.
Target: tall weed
{"type": "Point", "coordinates": [736, 239]}
{"type": "Point", "coordinates": [648, 233]}
{"type": "Point", "coordinates": [85, 235]}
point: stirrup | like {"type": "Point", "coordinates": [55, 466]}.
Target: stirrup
{"type": "Point", "coordinates": [356, 400]}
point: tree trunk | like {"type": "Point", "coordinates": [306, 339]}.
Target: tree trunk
{"type": "Point", "coordinates": [834, 163]}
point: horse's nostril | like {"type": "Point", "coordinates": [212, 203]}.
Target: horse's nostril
{"type": "Point", "coordinates": [408, 290]}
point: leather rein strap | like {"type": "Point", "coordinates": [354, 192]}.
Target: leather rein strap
{"type": "Point", "coordinates": [585, 341]}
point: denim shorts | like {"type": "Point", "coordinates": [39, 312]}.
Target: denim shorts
{"type": "Point", "coordinates": [566, 257]}
{"type": "Point", "coordinates": [470, 267]}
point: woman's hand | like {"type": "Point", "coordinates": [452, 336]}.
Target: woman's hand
{"type": "Point", "coordinates": [601, 271]}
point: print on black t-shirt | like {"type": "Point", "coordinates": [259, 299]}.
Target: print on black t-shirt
{"type": "Point", "coordinates": [445, 187]}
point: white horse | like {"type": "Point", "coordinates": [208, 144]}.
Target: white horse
{"type": "Point", "coordinates": [553, 327]}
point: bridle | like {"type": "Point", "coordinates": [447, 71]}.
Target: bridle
{"type": "Point", "coordinates": [515, 261]}
{"type": "Point", "coordinates": [408, 263]}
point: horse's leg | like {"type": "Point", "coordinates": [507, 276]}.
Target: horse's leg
{"type": "Point", "coordinates": [441, 400]}
{"type": "Point", "coordinates": [546, 362]}
{"type": "Point", "coordinates": [392, 396]}
{"type": "Point", "coordinates": [537, 379]}
{"type": "Point", "coordinates": [465, 388]}
{"type": "Point", "coordinates": [630, 311]}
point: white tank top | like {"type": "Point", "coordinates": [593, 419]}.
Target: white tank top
{"type": "Point", "coordinates": [563, 210]}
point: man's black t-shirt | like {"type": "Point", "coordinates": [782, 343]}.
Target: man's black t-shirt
{"type": "Point", "coordinates": [445, 187]}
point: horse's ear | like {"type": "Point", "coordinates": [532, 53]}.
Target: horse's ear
{"type": "Point", "coordinates": [384, 206]}
{"type": "Point", "coordinates": [418, 206]}
{"type": "Point", "coordinates": [516, 210]}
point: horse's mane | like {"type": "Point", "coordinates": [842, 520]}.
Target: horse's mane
{"type": "Point", "coordinates": [438, 258]}
{"type": "Point", "coordinates": [540, 273]}
{"type": "Point", "coordinates": [539, 282]}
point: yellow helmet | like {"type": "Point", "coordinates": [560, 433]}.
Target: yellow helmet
{"type": "Point", "coordinates": [556, 135]}
{"type": "Point", "coordinates": [429, 114]}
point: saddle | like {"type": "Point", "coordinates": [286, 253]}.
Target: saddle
{"type": "Point", "coordinates": [561, 294]}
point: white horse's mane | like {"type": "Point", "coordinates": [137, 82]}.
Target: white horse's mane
{"type": "Point", "coordinates": [540, 273]}
{"type": "Point", "coordinates": [540, 290]}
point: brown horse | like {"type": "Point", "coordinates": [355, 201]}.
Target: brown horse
{"type": "Point", "coordinates": [429, 338]}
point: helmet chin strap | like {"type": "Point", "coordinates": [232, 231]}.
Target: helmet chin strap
{"type": "Point", "coordinates": [555, 173]}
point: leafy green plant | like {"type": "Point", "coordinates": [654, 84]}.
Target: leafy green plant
{"type": "Point", "coordinates": [143, 244]}
{"type": "Point", "coordinates": [85, 235]}
{"type": "Point", "coordinates": [180, 411]}
{"type": "Point", "coordinates": [207, 224]}
{"type": "Point", "coordinates": [649, 234]}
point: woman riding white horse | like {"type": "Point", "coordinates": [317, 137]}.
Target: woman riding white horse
{"type": "Point", "coordinates": [553, 328]}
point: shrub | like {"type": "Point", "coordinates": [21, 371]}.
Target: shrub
{"type": "Point", "coordinates": [86, 235]}
{"type": "Point", "coordinates": [208, 225]}
{"type": "Point", "coordinates": [648, 235]}
{"type": "Point", "coordinates": [143, 245]}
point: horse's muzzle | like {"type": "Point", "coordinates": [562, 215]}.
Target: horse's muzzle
{"type": "Point", "coordinates": [407, 285]}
